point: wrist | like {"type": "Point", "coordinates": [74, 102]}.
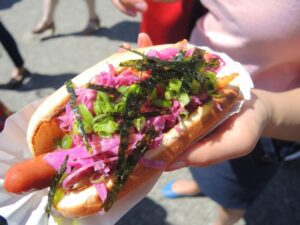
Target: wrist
{"type": "Point", "coordinates": [282, 114]}
{"type": "Point", "coordinates": [263, 104]}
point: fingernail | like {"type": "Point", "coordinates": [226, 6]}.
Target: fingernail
{"type": "Point", "coordinates": [140, 6]}
{"type": "Point", "coordinates": [176, 165]}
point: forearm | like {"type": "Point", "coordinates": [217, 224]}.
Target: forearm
{"type": "Point", "coordinates": [283, 114]}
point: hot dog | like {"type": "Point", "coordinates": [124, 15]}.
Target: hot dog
{"type": "Point", "coordinates": [149, 106]}
{"type": "Point", "coordinates": [32, 174]}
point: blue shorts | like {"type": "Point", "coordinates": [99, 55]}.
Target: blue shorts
{"type": "Point", "coordinates": [236, 183]}
{"type": "Point", "coordinates": [3, 221]}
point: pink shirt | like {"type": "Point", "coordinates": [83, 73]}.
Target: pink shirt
{"type": "Point", "coordinates": [264, 35]}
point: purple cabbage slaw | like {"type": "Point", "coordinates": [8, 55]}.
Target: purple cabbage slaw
{"type": "Point", "coordinates": [105, 150]}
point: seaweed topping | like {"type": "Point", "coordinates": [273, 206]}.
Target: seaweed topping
{"type": "Point", "coordinates": [121, 115]}
{"type": "Point", "coordinates": [54, 185]}
{"type": "Point", "coordinates": [78, 117]}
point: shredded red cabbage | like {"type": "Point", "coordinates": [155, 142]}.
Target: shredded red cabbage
{"type": "Point", "coordinates": [102, 191]}
{"type": "Point", "coordinates": [164, 54]}
{"type": "Point", "coordinates": [66, 121]}
{"type": "Point", "coordinates": [105, 150]}
{"type": "Point", "coordinates": [86, 97]}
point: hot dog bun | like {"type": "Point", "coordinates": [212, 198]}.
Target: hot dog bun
{"type": "Point", "coordinates": [87, 202]}
{"type": "Point", "coordinates": [43, 130]}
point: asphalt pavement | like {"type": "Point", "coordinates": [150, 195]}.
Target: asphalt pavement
{"type": "Point", "coordinates": [54, 59]}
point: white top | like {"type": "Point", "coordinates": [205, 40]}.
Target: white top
{"type": "Point", "coordinates": [264, 35]}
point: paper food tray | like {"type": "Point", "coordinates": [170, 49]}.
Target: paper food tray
{"type": "Point", "coordinates": [28, 209]}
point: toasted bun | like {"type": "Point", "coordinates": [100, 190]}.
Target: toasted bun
{"type": "Point", "coordinates": [43, 127]}
{"type": "Point", "coordinates": [43, 130]}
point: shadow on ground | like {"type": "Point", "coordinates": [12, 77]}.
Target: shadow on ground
{"type": "Point", "coordinates": [147, 212]}
{"type": "Point", "coordinates": [124, 31]}
{"type": "Point", "coordinates": [277, 205]}
{"type": "Point", "coordinates": [6, 4]}
{"type": "Point", "coordinates": [41, 81]}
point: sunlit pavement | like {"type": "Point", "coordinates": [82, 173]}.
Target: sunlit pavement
{"type": "Point", "coordinates": [55, 59]}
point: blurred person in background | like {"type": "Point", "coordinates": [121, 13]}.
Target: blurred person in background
{"type": "Point", "coordinates": [19, 73]}
{"type": "Point", "coordinates": [164, 22]}
{"type": "Point", "coordinates": [47, 20]}
{"type": "Point", "coordinates": [233, 165]}
{"type": "Point", "coordinates": [4, 113]}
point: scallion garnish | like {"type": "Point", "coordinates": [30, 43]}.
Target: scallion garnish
{"type": "Point", "coordinates": [66, 141]}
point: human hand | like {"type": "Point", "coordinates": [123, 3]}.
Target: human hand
{"type": "Point", "coordinates": [234, 138]}
{"type": "Point", "coordinates": [143, 41]}
{"type": "Point", "coordinates": [132, 7]}
{"type": "Point", "coordinates": [267, 114]}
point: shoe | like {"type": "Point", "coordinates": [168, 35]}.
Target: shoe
{"type": "Point", "coordinates": [167, 192]}
{"type": "Point", "coordinates": [44, 27]}
{"type": "Point", "coordinates": [15, 83]}
{"type": "Point", "coordinates": [92, 26]}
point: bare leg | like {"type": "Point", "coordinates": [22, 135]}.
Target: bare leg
{"type": "Point", "coordinates": [187, 187]}
{"type": "Point", "coordinates": [229, 216]}
{"type": "Point", "coordinates": [19, 73]}
{"type": "Point", "coordinates": [91, 9]}
{"type": "Point", "coordinates": [48, 10]}
{"type": "Point", "coordinates": [47, 21]}
{"type": "Point", "coordinates": [94, 22]}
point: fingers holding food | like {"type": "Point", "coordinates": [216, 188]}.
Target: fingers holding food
{"type": "Point", "coordinates": [131, 7]}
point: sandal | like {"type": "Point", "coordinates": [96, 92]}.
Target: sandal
{"type": "Point", "coordinates": [16, 82]}
{"type": "Point", "coordinates": [92, 26]}
{"type": "Point", "coordinates": [44, 27]}
{"type": "Point", "coordinates": [168, 192]}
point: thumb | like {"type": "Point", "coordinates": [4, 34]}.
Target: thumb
{"type": "Point", "coordinates": [144, 40]}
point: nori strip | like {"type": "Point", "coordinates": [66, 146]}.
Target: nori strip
{"type": "Point", "coordinates": [54, 184]}
{"type": "Point", "coordinates": [77, 115]}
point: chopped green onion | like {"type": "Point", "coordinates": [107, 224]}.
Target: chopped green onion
{"type": "Point", "coordinates": [133, 89]}
{"type": "Point", "coordinates": [100, 117]}
{"type": "Point", "coordinates": [122, 89]}
{"type": "Point", "coordinates": [139, 123]}
{"type": "Point", "coordinates": [102, 103]}
{"type": "Point", "coordinates": [195, 87]}
{"type": "Point", "coordinates": [102, 96]}
{"type": "Point", "coordinates": [161, 103]}
{"type": "Point", "coordinates": [170, 95]}
{"type": "Point", "coordinates": [211, 77]}
{"type": "Point", "coordinates": [184, 98]}
{"type": "Point", "coordinates": [87, 127]}
{"type": "Point", "coordinates": [120, 105]}
{"type": "Point", "coordinates": [105, 127]}
{"type": "Point", "coordinates": [66, 142]}
{"type": "Point", "coordinates": [174, 85]}
{"type": "Point", "coordinates": [59, 194]}
{"type": "Point", "coordinates": [85, 113]}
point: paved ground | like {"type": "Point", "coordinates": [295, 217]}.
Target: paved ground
{"type": "Point", "coordinates": [55, 59]}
